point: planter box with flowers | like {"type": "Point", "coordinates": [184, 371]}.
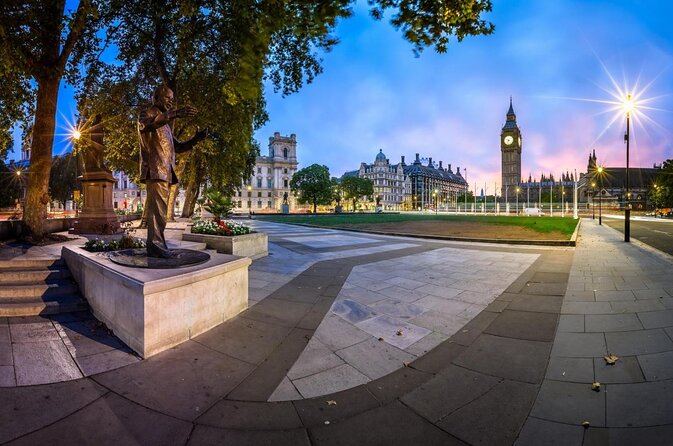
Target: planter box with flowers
{"type": "Point", "coordinates": [228, 237]}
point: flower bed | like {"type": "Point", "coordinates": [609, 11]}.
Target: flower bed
{"type": "Point", "coordinates": [228, 237]}
{"type": "Point", "coordinates": [223, 227]}
{"type": "Point", "coordinates": [98, 245]}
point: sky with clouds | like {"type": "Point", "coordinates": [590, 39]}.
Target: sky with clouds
{"type": "Point", "coordinates": [558, 59]}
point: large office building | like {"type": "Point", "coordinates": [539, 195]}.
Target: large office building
{"type": "Point", "coordinates": [423, 184]}
{"type": "Point", "coordinates": [270, 180]}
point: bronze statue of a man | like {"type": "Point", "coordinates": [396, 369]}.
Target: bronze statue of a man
{"type": "Point", "coordinates": [157, 161]}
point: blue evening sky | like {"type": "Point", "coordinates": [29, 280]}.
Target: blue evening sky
{"type": "Point", "coordinates": [555, 57]}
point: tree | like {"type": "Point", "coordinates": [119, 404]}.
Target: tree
{"type": "Point", "coordinates": [218, 204]}
{"type": "Point", "coordinates": [355, 188]}
{"type": "Point", "coordinates": [63, 178]}
{"type": "Point", "coordinates": [661, 192]}
{"type": "Point", "coordinates": [10, 185]}
{"type": "Point", "coordinates": [313, 185]}
{"type": "Point", "coordinates": [37, 39]}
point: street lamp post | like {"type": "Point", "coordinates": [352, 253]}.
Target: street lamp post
{"type": "Point", "coordinates": [600, 195]}
{"type": "Point", "coordinates": [517, 201]}
{"type": "Point", "coordinates": [249, 200]}
{"type": "Point", "coordinates": [434, 196]}
{"type": "Point", "coordinates": [593, 204]}
{"type": "Point", "coordinates": [628, 107]}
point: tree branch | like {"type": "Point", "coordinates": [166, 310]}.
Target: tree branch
{"type": "Point", "coordinates": [78, 26]}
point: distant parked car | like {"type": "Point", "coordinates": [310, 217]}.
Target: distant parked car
{"type": "Point", "coordinates": [534, 212]}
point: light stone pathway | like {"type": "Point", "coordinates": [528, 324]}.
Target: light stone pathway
{"type": "Point", "coordinates": [388, 313]}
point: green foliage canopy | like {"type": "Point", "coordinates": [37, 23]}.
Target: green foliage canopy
{"type": "Point", "coordinates": [354, 188]}
{"type": "Point", "coordinates": [63, 178]}
{"type": "Point", "coordinates": [313, 185]}
{"type": "Point", "coordinates": [661, 192]}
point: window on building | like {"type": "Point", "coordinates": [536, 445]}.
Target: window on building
{"type": "Point", "coordinates": [259, 194]}
{"type": "Point", "coordinates": [285, 183]}
{"type": "Point", "coordinates": [259, 170]}
{"type": "Point", "coordinates": [239, 203]}
{"type": "Point", "coordinates": [259, 204]}
{"type": "Point", "coordinates": [268, 204]}
{"type": "Point", "coordinates": [285, 152]}
{"type": "Point", "coordinates": [285, 170]}
{"type": "Point", "coordinates": [239, 193]}
{"type": "Point", "coordinates": [249, 204]}
{"type": "Point", "coordinates": [268, 170]}
{"type": "Point", "coordinates": [268, 194]}
{"type": "Point", "coordinates": [269, 183]}
{"type": "Point", "coordinates": [259, 182]}
{"type": "Point", "coordinates": [115, 203]}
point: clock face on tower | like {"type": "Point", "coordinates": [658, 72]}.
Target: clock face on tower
{"type": "Point", "coordinates": [509, 140]}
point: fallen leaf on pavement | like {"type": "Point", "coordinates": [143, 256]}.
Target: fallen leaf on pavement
{"type": "Point", "coordinates": [399, 332]}
{"type": "Point", "coordinates": [331, 403]}
{"type": "Point", "coordinates": [586, 424]}
{"type": "Point", "coordinates": [611, 359]}
{"type": "Point", "coordinates": [596, 387]}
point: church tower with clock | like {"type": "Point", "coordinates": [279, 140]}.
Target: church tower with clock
{"type": "Point", "coordinates": [510, 147]}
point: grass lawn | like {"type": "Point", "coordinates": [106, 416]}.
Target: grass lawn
{"type": "Point", "coordinates": [543, 225]}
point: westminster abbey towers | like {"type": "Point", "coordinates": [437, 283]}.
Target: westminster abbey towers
{"type": "Point", "coordinates": [510, 146]}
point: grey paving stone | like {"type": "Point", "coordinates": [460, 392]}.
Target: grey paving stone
{"type": "Point", "coordinates": [473, 329]}
{"type": "Point", "coordinates": [579, 345]}
{"type": "Point", "coordinates": [515, 359]}
{"type": "Point", "coordinates": [524, 325]}
{"type": "Point", "coordinates": [611, 322]}
{"type": "Point", "coordinates": [545, 289]}
{"type": "Point", "coordinates": [579, 370]}
{"type": "Point", "coordinates": [400, 333]}
{"type": "Point", "coordinates": [650, 294]}
{"type": "Point", "coordinates": [550, 277]}
{"type": "Point", "coordinates": [497, 306]}
{"type": "Point", "coordinates": [352, 311]}
{"type": "Point", "coordinates": [313, 318]}
{"type": "Point", "coordinates": [657, 319]}
{"type": "Point", "coordinates": [398, 309]}
{"type": "Point", "coordinates": [181, 382]}
{"type": "Point", "coordinates": [84, 338]}
{"type": "Point", "coordinates": [657, 366]}
{"type": "Point", "coordinates": [483, 422]}
{"type": "Point", "coordinates": [641, 404]}
{"type": "Point", "coordinates": [34, 332]}
{"type": "Point", "coordinates": [349, 403]}
{"type": "Point", "coordinates": [597, 436]}
{"type": "Point", "coordinates": [4, 333]}
{"type": "Point", "coordinates": [375, 358]}
{"type": "Point", "coordinates": [398, 383]}
{"type": "Point", "coordinates": [286, 391]}
{"type": "Point", "coordinates": [586, 308]}
{"type": "Point", "coordinates": [26, 407]}
{"type": "Point", "coordinates": [261, 383]}
{"type": "Point", "coordinates": [641, 342]}
{"type": "Point", "coordinates": [637, 306]}
{"type": "Point", "coordinates": [7, 378]}
{"type": "Point", "coordinates": [426, 343]}
{"type": "Point", "coordinates": [43, 362]}
{"type": "Point", "coordinates": [571, 323]}
{"type": "Point", "coordinates": [207, 435]}
{"type": "Point", "coordinates": [446, 324]}
{"type": "Point", "coordinates": [449, 390]}
{"type": "Point", "coordinates": [112, 420]}
{"type": "Point", "coordinates": [249, 340]}
{"type": "Point", "coordinates": [337, 333]}
{"type": "Point", "coordinates": [570, 403]}
{"type": "Point", "coordinates": [6, 354]}
{"type": "Point", "coordinates": [439, 358]}
{"type": "Point", "coordinates": [105, 361]}
{"type": "Point", "coordinates": [625, 370]}
{"type": "Point", "coordinates": [579, 296]}
{"type": "Point", "coordinates": [333, 380]}
{"type": "Point", "coordinates": [614, 295]}
{"type": "Point", "coordinates": [315, 358]}
{"type": "Point", "coordinates": [538, 432]}
{"type": "Point", "coordinates": [650, 436]}
{"type": "Point", "coordinates": [396, 425]}
{"type": "Point", "coordinates": [245, 415]}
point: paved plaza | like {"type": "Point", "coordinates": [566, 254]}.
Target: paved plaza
{"type": "Point", "coordinates": [363, 339]}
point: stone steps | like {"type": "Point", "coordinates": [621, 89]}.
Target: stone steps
{"type": "Point", "coordinates": [37, 286]}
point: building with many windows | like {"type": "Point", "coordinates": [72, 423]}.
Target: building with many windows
{"type": "Point", "coordinates": [270, 179]}
{"type": "Point", "coordinates": [126, 195]}
{"type": "Point", "coordinates": [420, 185]}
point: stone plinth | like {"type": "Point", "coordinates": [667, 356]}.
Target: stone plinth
{"type": "Point", "coordinates": [97, 216]}
{"type": "Point", "coordinates": [285, 208]}
{"type": "Point", "coordinates": [254, 245]}
{"type": "Point", "coordinates": [152, 310]}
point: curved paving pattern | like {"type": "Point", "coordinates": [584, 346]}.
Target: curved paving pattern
{"type": "Point", "coordinates": [489, 383]}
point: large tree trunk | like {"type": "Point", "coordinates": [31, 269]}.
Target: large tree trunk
{"type": "Point", "coordinates": [37, 195]}
{"type": "Point", "coordinates": [190, 197]}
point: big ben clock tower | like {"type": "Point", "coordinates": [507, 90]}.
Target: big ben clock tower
{"type": "Point", "coordinates": [510, 147]}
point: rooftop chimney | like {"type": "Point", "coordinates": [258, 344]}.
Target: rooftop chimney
{"type": "Point", "coordinates": [430, 162]}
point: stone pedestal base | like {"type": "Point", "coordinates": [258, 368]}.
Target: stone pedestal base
{"type": "Point", "coordinates": [152, 310]}
{"type": "Point", "coordinates": [97, 215]}
{"type": "Point", "coordinates": [285, 209]}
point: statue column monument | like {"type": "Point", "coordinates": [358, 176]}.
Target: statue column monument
{"type": "Point", "coordinates": [97, 215]}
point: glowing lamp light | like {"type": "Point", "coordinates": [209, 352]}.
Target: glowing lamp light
{"type": "Point", "coordinates": [628, 105]}
{"type": "Point", "coordinates": [76, 134]}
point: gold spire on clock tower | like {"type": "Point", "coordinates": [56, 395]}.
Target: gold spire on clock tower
{"type": "Point", "coordinates": [510, 148]}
